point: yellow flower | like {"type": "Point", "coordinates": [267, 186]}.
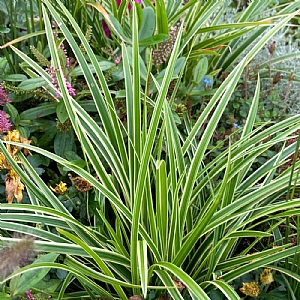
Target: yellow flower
{"type": "Point", "coordinates": [266, 277]}
{"type": "Point", "coordinates": [14, 136]}
{"type": "Point", "coordinates": [13, 187]}
{"type": "Point", "coordinates": [250, 289]}
{"type": "Point", "coordinates": [60, 188]}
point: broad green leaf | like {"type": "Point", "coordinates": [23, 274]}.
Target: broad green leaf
{"type": "Point", "coordinates": [153, 40]}
{"type": "Point", "coordinates": [49, 286]}
{"type": "Point", "coordinates": [14, 283]}
{"type": "Point", "coordinates": [61, 112]}
{"type": "Point", "coordinates": [162, 205]}
{"type": "Point", "coordinates": [148, 25]}
{"type": "Point", "coordinates": [200, 70]}
{"type": "Point", "coordinates": [4, 29]}
{"type": "Point", "coordinates": [104, 65]}
{"type": "Point", "coordinates": [13, 113]}
{"type": "Point", "coordinates": [32, 83]}
{"type": "Point", "coordinates": [63, 142]}
{"type": "Point", "coordinates": [142, 68]}
{"type": "Point", "coordinates": [14, 77]}
{"type": "Point", "coordinates": [5, 295]}
{"type": "Point", "coordinates": [29, 279]}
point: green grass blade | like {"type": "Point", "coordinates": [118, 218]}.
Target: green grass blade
{"type": "Point", "coordinates": [97, 259]}
{"type": "Point", "coordinates": [169, 283]}
{"type": "Point", "coordinates": [162, 205]}
{"type": "Point", "coordinates": [226, 289]}
{"type": "Point", "coordinates": [222, 95]}
{"type": "Point", "coordinates": [192, 286]}
{"type": "Point", "coordinates": [105, 109]}
{"type": "Point", "coordinates": [143, 266]}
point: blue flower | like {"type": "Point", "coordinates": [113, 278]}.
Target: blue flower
{"type": "Point", "coordinates": [207, 81]}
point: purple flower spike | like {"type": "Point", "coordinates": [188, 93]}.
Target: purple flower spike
{"type": "Point", "coordinates": [71, 90]}
{"type": "Point", "coordinates": [117, 60]}
{"type": "Point", "coordinates": [28, 295]}
{"type": "Point", "coordinates": [51, 71]}
{"type": "Point", "coordinates": [3, 97]}
{"type": "Point", "coordinates": [5, 125]}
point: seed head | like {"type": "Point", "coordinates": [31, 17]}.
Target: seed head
{"type": "Point", "coordinates": [19, 255]}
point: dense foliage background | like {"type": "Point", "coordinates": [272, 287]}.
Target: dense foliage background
{"type": "Point", "coordinates": [149, 149]}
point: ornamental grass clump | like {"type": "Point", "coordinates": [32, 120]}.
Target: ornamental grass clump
{"type": "Point", "coordinates": [165, 217]}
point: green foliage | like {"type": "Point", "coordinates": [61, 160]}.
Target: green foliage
{"type": "Point", "coordinates": [156, 207]}
{"type": "Point", "coordinates": [21, 285]}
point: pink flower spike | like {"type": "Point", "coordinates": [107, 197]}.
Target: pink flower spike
{"type": "Point", "coordinates": [117, 60]}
